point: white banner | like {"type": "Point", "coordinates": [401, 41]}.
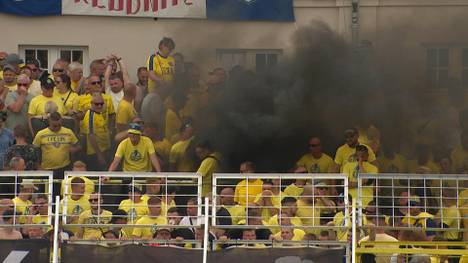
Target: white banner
{"type": "Point", "coordinates": [136, 8]}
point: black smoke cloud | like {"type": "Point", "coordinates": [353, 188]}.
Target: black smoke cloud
{"type": "Point", "coordinates": [323, 88]}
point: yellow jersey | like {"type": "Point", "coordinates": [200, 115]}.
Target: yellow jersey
{"type": "Point", "coordinates": [322, 165]}
{"type": "Point", "coordinates": [163, 149]}
{"type": "Point", "coordinates": [246, 192]}
{"type": "Point", "coordinates": [148, 232]}
{"type": "Point", "coordinates": [309, 216]}
{"type": "Point", "coordinates": [75, 208]}
{"type": "Point", "coordinates": [450, 216]}
{"type": "Point", "coordinates": [351, 170]}
{"type": "Point", "coordinates": [136, 157]}
{"type": "Point", "coordinates": [293, 190]}
{"type": "Point", "coordinates": [67, 98]}
{"type": "Point", "coordinates": [163, 67]}
{"type": "Point", "coordinates": [273, 222]}
{"type": "Point", "coordinates": [346, 154]}
{"type": "Point", "coordinates": [23, 208]}
{"type": "Point", "coordinates": [97, 124]}
{"type": "Point", "coordinates": [40, 219]}
{"type": "Point", "coordinates": [459, 159]}
{"type": "Point", "coordinates": [88, 218]}
{"type": "Point", "coordinates": [237, 213]}
{"type": "Point", "coordinates": [275, 201]}
{"type": "Point", "coordinates": [55, 147]}
{"type": "Point", "coordinates": [207, 167]}
{"type": "Point", "coordinates": [298, 235]}
{"type": "Point", "coordinates": [41, 104]}
{"type": "Point", "coordinates": [134, 210]}
{"type": "Point", "coordinates": [83, 104]}
{"type": "Point", "coordinates": [125, 113]}
{"type": "Point", "coordinates": [173, 124]}
{"type": "Point", "coordinates": [179, 157]}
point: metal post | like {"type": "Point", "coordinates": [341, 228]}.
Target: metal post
{"type": "Point", "coordinates": [205, 236]}
{"type": "Point", "coordinates": [56, 227]}
{"type": "Point", "coordinates": [354, 233]}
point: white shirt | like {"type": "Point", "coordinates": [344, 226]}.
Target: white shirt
{"type": "Point", "coordinates": [116, 97]}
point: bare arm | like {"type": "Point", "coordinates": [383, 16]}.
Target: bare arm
{"type": "Point", "coordinates": [115, 163]}
{"type": "Point", "coordinates": [30, 124]}
{"type": "Point", "coordinates": [124, 70]}
{"type": "Point", "coordinates": [18, 104]}
{"type": "Point", "coordinates": [155, 162]}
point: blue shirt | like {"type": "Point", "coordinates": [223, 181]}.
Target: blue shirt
{"type": "Point", "coordinates": [6, 140]}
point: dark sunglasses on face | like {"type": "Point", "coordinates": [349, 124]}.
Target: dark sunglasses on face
{"type": "Point", "coordinates": [95, 83]}
{"type": "Point", "coordinates": [22, 84]}
{"type": "Point", "coordinates": [57, 70]}
{"type": "Point", "coordinates": [98, 103]}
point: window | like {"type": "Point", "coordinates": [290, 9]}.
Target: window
{"type": "Point", "coordinates": [253, 59]}
{"type": "Point", "coordinates": [438, 67]}
{"type": "Point", "coordinates": [47, 55]}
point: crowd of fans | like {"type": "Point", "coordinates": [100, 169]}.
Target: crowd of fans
{"type": "Point", "coordinates": [65, 121]}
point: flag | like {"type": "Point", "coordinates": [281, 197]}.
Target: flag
{"type": "Point", "coordinates": [260, 10]}
{"type": "Point", "coordinates": [31, 7]}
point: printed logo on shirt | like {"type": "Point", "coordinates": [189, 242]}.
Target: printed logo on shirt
{"type": "Point", "coordinates": [77, 210]}
{"type": "Point", "coordinates": [135, 156]}
{"type": "Point", "coordinates": [314, 168]}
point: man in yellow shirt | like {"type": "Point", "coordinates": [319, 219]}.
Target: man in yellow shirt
{"type": "Point", "coordinates": [56, 143]}
{"type": "Point", "coordinates": [361, 166]}
{"type": "Point", "coordinates": [162, 146]}
{"type": "Point", "coordinates": [247, 189]}
{"type": "Point", "coordinates": [75, 203]}
{"type": "Point", "coordinates": [237, 212]}
{"type": "Point", "coordinates": [95, 126]}
{"type": "Point", "coordinates": [161, 67]}
{"type": "Point", "coordinates": [179, 157]}
{"type": "Point", "coordinates": [459, 155]}
{"type": "Point", "coordinates": [347, 152]}
{"type": "Point", "coordinates": [270, 199]}
{"type": "Point", "coordinates": [154, 218]}
{"type": "Point", "coordinates": [134, 206]}
{"type": "Point", "coordinates": [307, 210]}
{"type": "Point", "coordinates": [96, 215]}
{"type": "Point", "coordinates": [23, 202]}
{"type": "Point", "coordinates": [137, 152]}
{"type": "Point", "coordinates": [43, 105]}
{"type": "Point", "coordinates": [449, 215]}
{"type": "Point", "coordinates": [210, 164]}
{"type": "Point", "coordinates": [125, 111]}
{"type": "Point", "coordinates": [39, 212]}
{"type": "Point", "coordinates": [315, 161]}
{"type": "Point", "coordinates": [287, 216]}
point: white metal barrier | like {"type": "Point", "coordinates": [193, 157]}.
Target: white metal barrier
{"type": "Point", "coordinates": [434, 202]}
{"type": "Point", "coordinates": [30, 193]}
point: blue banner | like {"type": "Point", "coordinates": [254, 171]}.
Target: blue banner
{"type": "Point", "coordinates": [259, 10]}
{"type": "Point", "coordinates": [31, 7]}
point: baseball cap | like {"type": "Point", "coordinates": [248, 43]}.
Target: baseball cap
{"type": "Point", "coordinates": [134, 128]}
{"type": "Point", "coordinates": [320, 184]}
{"type": "Point", "coordinates": [9, 67]}
{"type": "Point", "coordinates": [163, 229]}
{"type": "Point", "coordinates": [13, 59]}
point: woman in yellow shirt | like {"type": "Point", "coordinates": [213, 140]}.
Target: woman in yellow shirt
{"type": "Point", "coordinates": [64, 91]}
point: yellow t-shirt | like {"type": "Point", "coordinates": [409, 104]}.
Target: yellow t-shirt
{"type": "Point", "coordinates": [134, 210]}
{"type": "Point", "coordinates": [89, 185]}
{"type": "Point", "coordinates": [321, 165]}
{"type": "Point", "coordinates": [459, 159]}
{"type": "Point", "coordinates": [396, 165]}
{"type": "Point", "coordinates": [309, 216]}
{"type": "Point", "coordinates": [55, 147]}
{"type": "Point", "coordinates": [40, 219]}
{"type": "Point", "coordinates": [339, 221]}
{"type": "Point", "coordinates": [242, 195]}
{"type": "Point", "coordinates": [273, 221]}
{"type": "Point", "coordinates": [40, 103]}
{"type": "Point", "coordinates": [23, 208]}
{"type": "Point", "coordinates": [275, 201]}
{"type": "Point", "coordinates": [237, 213]}
{"type": "Point", "coordinates": [94, 233]}
{"type": "Point", "coordinates": [179, 158]}
{"type": "Point", "coordinates": [136, 157]}
{"type": "Point", "coordinates": [164, 69]}
{"type": "Point", "coordinates": [207, 167]}
{"type": "Point", "coordinates": [67, 100]}
{"type": "Point", "coordinates": [125, 113]}
{"type": "Point", "coordinates": [463, 197]}
{"type": "Point", "coordinates": [293, 191]}
{"type": "Point", "coordinates": [148, 232]}
{"type": "Point", "coordinates": [346, 154]}
{"type": "Point", "coordinates": [350, 169]}
{"type": "Point", "coordinates": [173, 124]}
{"type": "Point", "coordinates": [298, 234]}
{"type": "Point", "coordinates": [83, 104]}
{"type": "Point", "coordinates": [383, 258]}
{"type": "Point", "coordinates": [75, 208]}
{"type": "Point", "coordinates": [97, 124]}
{"type": "Point", "coordinates": [74, 85]}
{"type": "Point", "coordinates": [450, 216]}
{"type": "Point", "coordinates": [163, 148]}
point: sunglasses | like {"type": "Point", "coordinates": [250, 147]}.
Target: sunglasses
{"type": "Point", "coordinates": [95, 83]}
{"type": "Point", "coordinates": [58, 70]}
{"type": "Point", "coordinates": [98, 103]}
{"type": "Point", "coordinates": [314, 145]}
{"type": "Point", "coordinates": [22, 84]}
